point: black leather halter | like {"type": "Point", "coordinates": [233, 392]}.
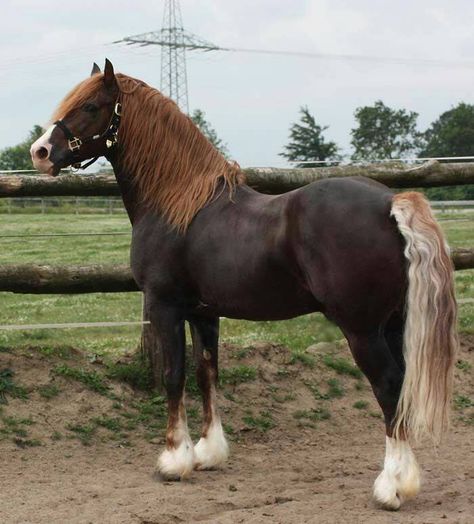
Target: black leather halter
{"type": "Point", "coordinates": [75, 143]}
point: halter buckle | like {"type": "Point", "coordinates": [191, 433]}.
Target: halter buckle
{"type": "Point", "coordinates": [75, 144]}
{"type": "Point", "coordinates": [110, 142]}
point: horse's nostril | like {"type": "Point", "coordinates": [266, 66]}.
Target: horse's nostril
{"type": "Point", "coordinates": [42, 153]}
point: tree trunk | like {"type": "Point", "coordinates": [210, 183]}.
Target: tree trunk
{"type": "Point", "coordinates": [150, 351]}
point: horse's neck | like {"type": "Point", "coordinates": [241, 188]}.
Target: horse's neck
{"type": "Point", "coordinates": [128, 189]}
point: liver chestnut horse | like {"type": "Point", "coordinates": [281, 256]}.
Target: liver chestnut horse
{"type": "Point", "coordinates": [206, 245]}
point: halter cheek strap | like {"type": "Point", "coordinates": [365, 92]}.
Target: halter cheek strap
{"type": "Point", "coordinates": [110, 135]}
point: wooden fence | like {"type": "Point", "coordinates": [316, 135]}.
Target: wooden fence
{"type": "Point", "coordinates": [118, 278]}
{"type": "Point", "coordinates": [265, 179]}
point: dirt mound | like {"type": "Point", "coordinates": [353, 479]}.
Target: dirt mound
{"type": "Point", "coordinates": [79, 445]}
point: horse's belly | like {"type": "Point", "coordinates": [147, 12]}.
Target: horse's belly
{"type": "Point", "coordinates": [277, 302]}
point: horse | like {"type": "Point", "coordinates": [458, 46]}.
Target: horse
{"type": "Point", "coordinates": [206, 245]}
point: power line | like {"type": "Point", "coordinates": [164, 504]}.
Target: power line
{"type": "Point", "coordinates": [174, 41]}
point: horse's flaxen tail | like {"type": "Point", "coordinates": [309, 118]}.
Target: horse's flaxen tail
{"type": "Point", "coordinates": [430, 338]}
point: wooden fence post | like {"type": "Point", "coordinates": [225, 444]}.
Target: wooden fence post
{"type": "Point", "coordinates": [150, 350]}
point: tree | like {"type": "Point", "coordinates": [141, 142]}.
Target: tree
{"type": "Point", "coordinates": [452, 134]}
{"type": "Point", "coordinates": [199, 118]}
{"type": "Point", "coordinates": [383, 132]}
{"type": "Point", "coordinates": [18, 157]}
{"type": "Point", "coordinates": [307, 141]}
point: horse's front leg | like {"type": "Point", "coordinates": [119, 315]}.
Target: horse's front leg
{"type": "Point", "coordinates": [212, 449]}
{"type": "Point", "coordinates": [177, 460]}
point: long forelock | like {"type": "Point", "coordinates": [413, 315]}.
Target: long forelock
{"type": "Point", "coordinates": [78, 96]}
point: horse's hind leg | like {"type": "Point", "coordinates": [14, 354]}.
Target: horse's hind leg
{"type": "Point", "coordinates": [212, 449]}
{"type": "Point", "coordinates": [376, 355]}
{"type": "Point", "coordinates": [177, 460]}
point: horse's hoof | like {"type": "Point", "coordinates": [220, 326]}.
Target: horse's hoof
{"type": "Point", "coordinates": [212, 451]}
{"type": "Point", "coordinates": [385, 492]}
{"type": "Point", "coordinates": [161, 477]}
{"type": "Point", "coordinates": [177, 463]}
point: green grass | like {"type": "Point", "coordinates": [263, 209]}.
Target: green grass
{"type": "Point", "coordinates": [237, 375]}
{"type": "Point", "coordinates": [334, 389]}
{"type": "Point", "coordinates": [297, 334]}
{"type": "Point", "coordinates": [14, 428]}
{"type": "Point", "coordinates": [8, 387]}
{"type": "Point", "coordinates": [83, 432]}
{"type": "Point", "coordinates": [135, 372]}
{"type": "Point", "coordinates": [313, 415]}
{"type": "Point", "coordinates": [49, 391]}
{"type": "Point", "coordinates": [91, 379]}
{"type": "Point", "coordinates": [360, 404]}
{"type": "Point", "coordinates": [262, 422]}
{"type": "Point", "coordinates": [342, 366]}
{"type": "Point", "coordinates": [462, 402]}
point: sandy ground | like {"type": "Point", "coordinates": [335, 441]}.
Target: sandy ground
{"type": "Point", "coordinates": [288, 474]}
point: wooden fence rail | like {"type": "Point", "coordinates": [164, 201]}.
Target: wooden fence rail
{"type": "Point", "coordinates": [265, 179]}
{"type": "Point", "coordinates": [98, 278]}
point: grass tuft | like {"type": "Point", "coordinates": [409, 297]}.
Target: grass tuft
{"type": "Point", "coordinates": [49, 391]}
{"type": "Point", "coordinates": [262, 422]}
{"type": "Point", "coordinates": [360, 404]}
{"type": "Point", "coordinates": [93, 380]}
{"type": "Point", "coordinates": [136, 373]}
{"type": "Point", "coordinates": [342, 366]}
{"type": "Point", "coordinates": [314, 414]}
{"type": "Point", "coordinates": [8, 387]}
{"type": "Point", "coordinates": [237, 375]}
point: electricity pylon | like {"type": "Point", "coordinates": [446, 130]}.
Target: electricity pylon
{"type": "Point", "coordinates": [174, 41]}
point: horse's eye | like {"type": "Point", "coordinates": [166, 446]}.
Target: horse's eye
{"type": "Point", "coordinates": [90, 108]}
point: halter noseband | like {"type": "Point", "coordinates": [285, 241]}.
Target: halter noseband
{"type": "Point", "coordinates": [75, 143]}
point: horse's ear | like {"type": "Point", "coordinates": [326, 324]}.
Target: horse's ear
{"type": "Point", "coordinates": [109, 75]}
{"type": "Point", "coordinates": [95, 70]}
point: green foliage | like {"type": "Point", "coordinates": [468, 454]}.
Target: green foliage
{"type": "Point", "coordinates": [93, 380]}
{"type": "Point", "coordinates": [335, 389]}
{"type": "Point", "coordinates": [111, 423]}
{"type": "Point", "coordinates": [462, 402]}
{"type": "Point", "coordinates": [383, 132]}
{"type": "Point", "coordinates": [14, 427]}
{"type": "Point", "coordinates": [83, 432]}
{"type": "Point", "coordinates": [8, 387]}
{"type": "Point", "coordinates": [463, 365]}
{"type": "Point", "coordinates": [49, 391]}
{"type": "Point", "coordinates": [342, 366]}
{"type": "Point", "coordinates": [314, 415]}
{"type": "Point", "coordinates": [307, 141]}
{"type": "Point", "coordinates": [305, 359]}
{"type": "Point", "coordinates": [136, 372]}
{"type": "Point", "coordinates": [237, 375]}
{"type": "Point", "coordinates": [452, 134]}
{"type": "Point", "coordinates": [262, 422]}
{"type": "Point", "coordinates": [18, 157]}
{"type": "Point", "coordinates": [360, 404]}
{"type": "Point", "coordinates": [199, 118]}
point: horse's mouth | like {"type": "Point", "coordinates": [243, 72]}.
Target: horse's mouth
{"type": "Point", "coordinates": [54, 170]}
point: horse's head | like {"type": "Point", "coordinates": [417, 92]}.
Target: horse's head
{"type": "Point", "coordinates": [85, 126]}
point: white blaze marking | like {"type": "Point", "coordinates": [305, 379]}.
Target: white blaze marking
{"type": "Point", "coordinates": [43, 164]}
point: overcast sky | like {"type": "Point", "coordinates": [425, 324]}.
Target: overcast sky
{"type": "Point", "coordinates": [250, 99]}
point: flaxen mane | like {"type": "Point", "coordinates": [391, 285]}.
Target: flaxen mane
{"type": "Point", "coordinates": [176, 169]}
